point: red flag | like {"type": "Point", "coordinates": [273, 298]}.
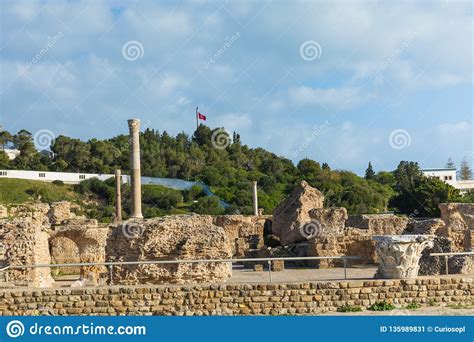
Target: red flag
{"type": "Point", "coordinates": [201, 117]}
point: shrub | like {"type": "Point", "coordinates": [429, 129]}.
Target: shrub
{"type": "Point", "coordinates": [160, 197]}
{"type": "Point", "coordinates": [208, 206]}
{"type": "Point", "coordinates": [413, 306]}
{"type": "Point", "coordinates": [349, 308]}
{"type": "Point", "coordinates": [381, 306]}
{"type": "Point", "coordinates": [58, 182]}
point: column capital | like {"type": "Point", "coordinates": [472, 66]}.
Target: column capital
{"type": "Point", "coordinates": [134, 125]}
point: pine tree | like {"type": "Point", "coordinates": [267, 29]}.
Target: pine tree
{"type": "Point", "coordinates": [465, 172]}
{"type": "Point", "coordinates": [369, 173]}
{"type": "Point", "coordinates": [450, 164]}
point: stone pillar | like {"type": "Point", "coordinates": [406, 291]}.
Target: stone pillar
{"type": "Point", "coordinates": [399, 255]}
{"type": "Point", "coordinates": [118, 196]}
{"type": "Point", "coordinates": [134, 126]}
{"type": "Point", "coordinates": [255, 199]}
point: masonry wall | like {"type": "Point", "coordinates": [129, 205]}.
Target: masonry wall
{"type": "Point", "coordinates": [257, 299]}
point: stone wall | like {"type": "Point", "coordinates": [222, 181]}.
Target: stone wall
{"type": "Point", "coordinates": [79, 240]}
{"type": "Point", "coordinates": [378, 224]}
{"type": "Point", "coordinates": [25, 242]}
{"type": "Point", "coordinates": [353, 241]}
{"type": "Point", "coordinates": [170, 238]}
{"type": "Point", "coordinates": [459, 220]}
{"type": "Point", "coordinates": [243, 232]}
{"type": "Point", "coordinates": [261, 299]}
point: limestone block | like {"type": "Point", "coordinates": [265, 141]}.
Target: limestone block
{"type": "Point", "coordinates": [293, 213]}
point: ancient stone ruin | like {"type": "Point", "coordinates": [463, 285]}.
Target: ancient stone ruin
{"type": "Point", "coordinates": [399, 255]}
{"type": "Point", "coordinates": [180, 237]}
{"type": "Point", "coordinates": [293, 213]}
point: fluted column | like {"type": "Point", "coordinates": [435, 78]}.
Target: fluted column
{"type": "Point", "coordinates": [255, 199]}
{"type": "Point", "coordinates": [118, 196]}
{"type": "Point", "coordinates": [134, 126]}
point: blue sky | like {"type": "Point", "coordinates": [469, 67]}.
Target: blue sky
{"type": "Point", "coordinates": [342, 82]}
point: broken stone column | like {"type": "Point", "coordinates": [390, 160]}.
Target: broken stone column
{"type": "Point", "coordinates": [255, 199]}
{"type": "Point", "coordinates": [400, 255]}
{"type": "Point", "coordinates": [118, 196]}
{"type": "Point", "coordinates": [134, 126]}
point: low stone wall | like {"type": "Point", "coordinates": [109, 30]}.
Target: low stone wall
{"type": "Point", "coordinates": [256, 299]}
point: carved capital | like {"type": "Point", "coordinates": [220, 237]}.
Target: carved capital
{"type": "Point", "coordinates": [134, 125]}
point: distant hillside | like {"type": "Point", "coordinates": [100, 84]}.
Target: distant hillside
{"type": "Point", "coordinates": [228, 166]}
{"type": "Point", "coordinates": [97, 200]}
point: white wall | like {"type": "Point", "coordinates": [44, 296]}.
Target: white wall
{"type": "Point", "coordinates": [443, 175]}
{"type": "Point", "coordinates": [48, 176]}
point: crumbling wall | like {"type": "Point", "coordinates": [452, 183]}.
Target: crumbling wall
{"type": "Point", "coordinates": [244, 232]}
{"type": "Point", "coordinates": [379, 224]}
{"type": "Point", "coordinates": [170, 238]}
{"type": "Point", "coordinates": [353, 242]}
{"type": "Point", "coordinates": [25, 243]}
{"type": "Point", "coordinates": [459, 219]}
{"type": "Point", "coordinates": [80, 241]}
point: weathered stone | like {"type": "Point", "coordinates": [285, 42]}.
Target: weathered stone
{"type": "Point", "coordinates": [59, 212]}
{"type": "Point", "coordinates": [170, 238]}
{"type": "Point", "coordinates": [399, 255]}
{"type": "Point", "coordinates": [331, 220]}
{"type": "Point", "coordinates": [378, 224]}
{"type": "Point", "coordinates": [79, 240]}
{"type": "Point", "coordinates": [436, 265]}
{"type": "Point", "coordinates": [244, 232]}
{"type": "Point", "coordinates": [3, 211]}
{"type": "Point", "coordinates": [459, 219]}
{"type": "Point", "coordinates": [424, 227]}
{"type": "Point", "coordinates": [293, 213]}
{"type": "Point", "coordinates": [24, 242]}
{"type": "Point", "coordinates": [354, 242]}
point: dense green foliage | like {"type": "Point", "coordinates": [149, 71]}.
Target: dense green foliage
{"type": "Point", "coordinates": [418, 195]}
{"type": "Point", "coordinates": [229, 172]}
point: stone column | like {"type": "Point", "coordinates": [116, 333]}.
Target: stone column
{"type": "Point", "coordinates": [118, 196]}
{"type": "Point", "coordinates": [399, 255]}
{"type": "Point", "coordinates": [255, 199]}
{"type": "Point", "coordinates": [134, 126]}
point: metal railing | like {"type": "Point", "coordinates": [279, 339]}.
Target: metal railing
{"type": "Point", "coordinates": [111, 264]}
{"type": "Point", "coordinates": [448, 255]}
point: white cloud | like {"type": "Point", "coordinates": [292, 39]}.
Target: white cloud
{"type": "Point", "coordinates": [347, 97]}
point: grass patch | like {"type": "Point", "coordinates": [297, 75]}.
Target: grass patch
{"type": "Point", "coordinates": [413, 306]}
{"type": "Point", "coordinates": [17, 191]}
{"type": "Point", "coordinates": [432, 302]}
{"type": "Point", "coordinates": [381, 306]}
{"type": "Point", "coordinates": [349, 308]}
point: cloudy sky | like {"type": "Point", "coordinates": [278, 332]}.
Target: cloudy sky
{"type": "Point", "coordinates": [342, 82]}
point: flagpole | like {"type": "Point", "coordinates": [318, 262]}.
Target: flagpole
{"type": "Point", "coordinates": [197, 120]}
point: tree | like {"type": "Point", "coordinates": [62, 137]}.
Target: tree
{"type": "Point", "coordinates": [465, 172]}
{"type": "Point", "coordinates": [369, 173]}
{"type": "Point", "coordinates": [419, 194]}
{"type": "Point", "coordinates": [450, 164]}
{"type": "Point", "coordinates": [5, 138]}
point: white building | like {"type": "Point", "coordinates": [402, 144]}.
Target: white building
{"type": "Point", "coordinates": [49, 176]}
{"type": "Point", "coordinates": [448, 175]}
